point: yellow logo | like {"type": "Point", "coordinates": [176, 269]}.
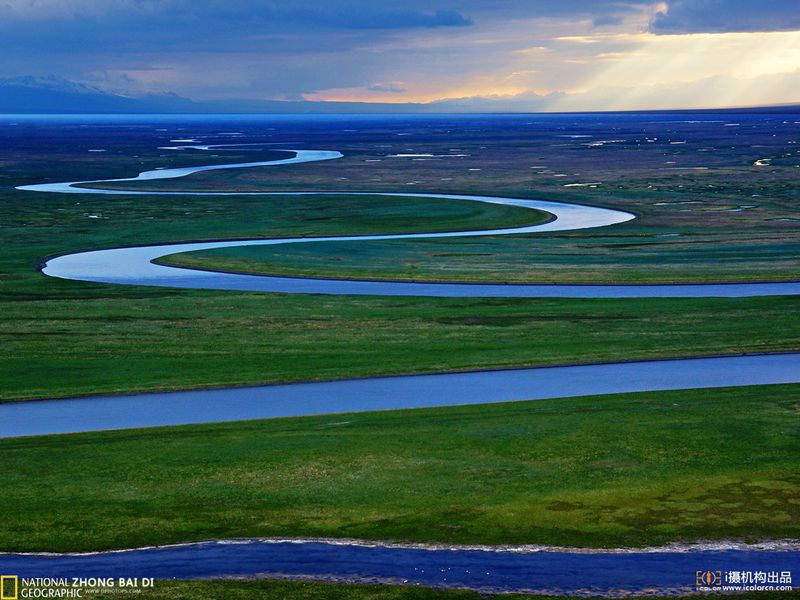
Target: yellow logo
{"type": "Point", "coordinates": [708, 578]}
{"type": "Point", "coordinates": [9, 587]}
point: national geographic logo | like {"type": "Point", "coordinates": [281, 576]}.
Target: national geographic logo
{"type": "Point", "coordinates": [9, 587]}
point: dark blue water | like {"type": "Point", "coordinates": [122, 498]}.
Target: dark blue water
{"type": "Point", "coordinates": [554, 572]}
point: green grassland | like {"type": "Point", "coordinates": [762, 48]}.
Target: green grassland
{"type": "Point", "coordinates": [71, 339]}
{"type": "Point", "coordinates": [706, 211]}
{"type": "Point", "coordinates": [303, 590]}
{"type": "Point", "coordinates": [651, 256]}
{"type": "Point", "coordinates": [603, 471]}
{"type": "Point", "coordinates": [695, 226]}
{"type": "Point", "coordinates": [63, 338]}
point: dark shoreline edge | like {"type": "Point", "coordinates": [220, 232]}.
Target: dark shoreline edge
{"type": "Point", "coordinates": [161, 262]}
{"type": "Point", "coordinates": [415, 374]}
{"type": "Point", "coordinates": [782, 545]}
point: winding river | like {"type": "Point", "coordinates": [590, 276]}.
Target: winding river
{"type": "Point", "coordinates": [135, 266]}
{"type": "Point", "coordinates": [558, 571]}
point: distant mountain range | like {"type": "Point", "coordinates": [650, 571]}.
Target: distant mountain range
{"type": "Point", "coordinates": [53, 95]}
{"type": "Point", "coordinates": [31, 95]}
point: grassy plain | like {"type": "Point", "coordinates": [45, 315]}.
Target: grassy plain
{"type": "Point", "coordinates": [64, 338]}
{"type": "Point", "coordinates": [70, 339]}
{"type": "Point", "coordinates": [650, 256]}
{"type": "Point", "coordinates": [622, 470]}
{"type": "Point", "coordinates": [709, 207]}
{"type": "Point", "coordinates": [603, 471]}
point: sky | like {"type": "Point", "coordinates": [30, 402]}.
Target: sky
{"type": "Point", "coordinates": [474, 54]}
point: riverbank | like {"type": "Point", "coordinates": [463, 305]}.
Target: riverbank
{"type": "Point", "coordinates": [76, 415]}
{"type": "Point", "coordinates": [649, 469]}
{"type": "Point", "coordinates": [559, 573]}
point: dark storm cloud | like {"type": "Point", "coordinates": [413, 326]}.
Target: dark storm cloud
{"type": "Point", "coordinates": [186, 22]}
{"type": "Point", "coordinates": [720, 16]}
{"type": "Point", "coordinates": [604, 20]}
{"type": "Point", "coordinates": [340, 16]}
{"type": "Point", "coordinates": [394, 88]}
{"type": "Point", "coordinates": [285, 49]}
{"type": "Point", "coordinates": [202, 24]}
{"type": "Point", "coordinates": [37, 27]}
{"type": "Point", "coordinates": [67, 36]}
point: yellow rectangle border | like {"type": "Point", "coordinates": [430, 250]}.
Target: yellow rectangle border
{"type": "Point", "coordinates": [3, 580]}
